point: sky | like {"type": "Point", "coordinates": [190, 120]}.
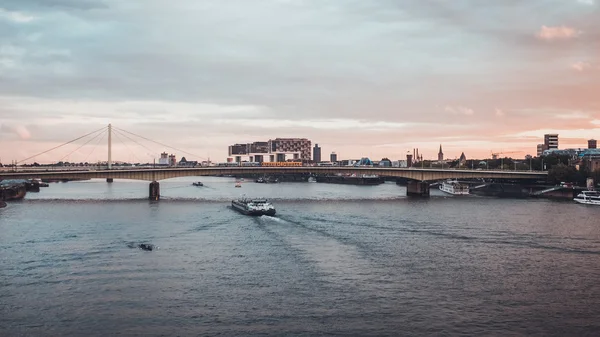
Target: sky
{"type": "Point", "coordinates": [370, 78]}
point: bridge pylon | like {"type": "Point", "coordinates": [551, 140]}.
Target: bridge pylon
{"type": "Point", "coordinates": [109, 146]}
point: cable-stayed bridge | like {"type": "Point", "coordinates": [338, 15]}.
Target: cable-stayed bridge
{"type": "Point", "coordinates": [419, 178]}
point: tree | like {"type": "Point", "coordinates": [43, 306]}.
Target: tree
{"type": "Point", "coordinates": [563, 173]}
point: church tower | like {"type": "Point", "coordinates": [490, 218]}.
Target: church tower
{"type": "Point", "coordinates": [440, 154]}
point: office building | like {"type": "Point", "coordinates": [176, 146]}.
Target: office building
{"type": "Point", "coordinates": [164, 159]}
{"type": "Point", "coordinates": [540, 149]}
{"type": "Point", "coordinates": [333, 157]}
{"type": "Point", "coordinates": [317, 153]}
{"type": "Point", "coordinates": [591, 144]}
{"type": "Point", "coordinates": [273, 150]}
{"type": "Point", "coordinates": [551, 141]}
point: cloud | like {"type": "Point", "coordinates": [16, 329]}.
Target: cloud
{"type": "Point", "coordinates": [348, 75]}
{"type": "Point", "coordinates": [499, 112]}
{"type": "Point", "coordinates": [581, 66]}
{"type": "Point", "coordinates": [557, 33]}
{"type": "Point", "coordinates": [573, 115]}
{"type": "Point", "coordinates": [19, 130]}
{"type": "Point", "coordinates": [15, 16]}
{"type": "Point", "coordinates": [459, 110]}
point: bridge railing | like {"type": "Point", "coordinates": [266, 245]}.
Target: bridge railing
{"type": "Point", "coordinates": [151, 167]}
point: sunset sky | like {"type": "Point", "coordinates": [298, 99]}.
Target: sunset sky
{"type": "Point", "coordinates": [359, 77]}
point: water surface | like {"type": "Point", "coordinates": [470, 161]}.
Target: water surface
{"type": "Point", "coordinates": [337, 259]}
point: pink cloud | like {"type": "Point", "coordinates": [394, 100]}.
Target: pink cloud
{"type": "Point", "coordinates": [581, 66]}
{"type": "Point", "coordinates": [459, 110]}
{"type": "Point", "coordinates": [22, 132]}
{"type": "Point", "coordinates": [557, 33]}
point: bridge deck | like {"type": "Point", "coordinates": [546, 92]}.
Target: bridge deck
{"type": "Point", "coordinates": [155, 174]}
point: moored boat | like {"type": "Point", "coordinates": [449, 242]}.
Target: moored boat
{"type": "Point", "coordinates": [588, 198]}
{"type": "Point", "coordinates": [454, 187]}
{"type": "Point", "coordinates": [253, 206]}
{"type": "Point", "coordinates": [198, 183]}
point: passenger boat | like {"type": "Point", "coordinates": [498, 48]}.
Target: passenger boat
{"type": "Point", "coordinates": [253, 206]}
{"type": "Point", "coordinates": [198, 183]}
{"type": "Point", "coordinates": [454, 187]}
{"type": "Point", "coordinates": [588, 198]}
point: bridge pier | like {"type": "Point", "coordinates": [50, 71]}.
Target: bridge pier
{"type": "Point", "coordinates": [417, 188]}
{"type": "Point", "coordinates": [154, 191]}
{"type": "Point", "coordinates": [109, 180]}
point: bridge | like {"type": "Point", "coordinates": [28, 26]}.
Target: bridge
{"type": "Point", "coordinates": [418, 178]}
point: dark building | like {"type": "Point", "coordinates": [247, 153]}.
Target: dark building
{"type": "Point", "coordinates": [591, 144]}
{"type": "Point", "coordinates": [463, 159]}
{"type": "Point", "coordinates": [551, 141]}
{"type": "Point", "coordinates": [287, 145]}
{"type": "Point", "coordinates": [259, 147]}
{"type": "Point", "coordinates": [409, 160]}
{"type": "Point", "coordinates": [187, 163]}
{"type": "Point", "coordinates": [317, 153]}
{"type": "Point", "coordinates": [280, 149]}
{"type": "Point", "coordinates": [333, 157]}
{"type": "Point", "coordinates": [238, 149]}
{"type": "Point", "coordinates": [540, 149]}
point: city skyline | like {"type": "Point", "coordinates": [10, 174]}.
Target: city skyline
{"type": "Point", "coordinates": [364, 79]}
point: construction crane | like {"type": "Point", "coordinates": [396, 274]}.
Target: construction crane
{"type": "Point", "coordinates": [495, 154]}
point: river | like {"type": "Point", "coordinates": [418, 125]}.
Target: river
{"type": "Point", "coordinates": [337, 259]}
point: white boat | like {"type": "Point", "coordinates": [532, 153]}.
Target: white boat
{"type": "Point", "coordinates": [253, 206]}
{"type": "Point", "coordinates": [238, 184]}
{"type": "Point", "coordinates": [454, 187]}
{"type": "Point", "coordinates": [588, 198]}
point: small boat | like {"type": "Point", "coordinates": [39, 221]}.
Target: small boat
{"type": "Point", "coordinates": [198, 183]}
{"type": "Point", "coordinates": [238, 184]}
{"type": "Point", "coordinates": [253, 206]}
{"type": "Point", "coordinates": [588, 198]}
{"type": "Point", "coordinates": [260, 180]}
{"type": "Point", "coordinates": [454, 187]}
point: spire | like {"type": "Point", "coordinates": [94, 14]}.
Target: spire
{"type": "Point", "coordinates": [440, 149]}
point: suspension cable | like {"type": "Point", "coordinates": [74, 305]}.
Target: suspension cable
{"type": "Point", "coordinates": [165, 145]}
{"type": "Point", "coordinates": [95, 146]}
{"type": "Point", "coordinates": [122, 142]}
{"type": "Point", "coordinates": [82, 145]}
{"type": "Point", "coordinates": [56, 147]}
{"type": "Point", "coordinates": [133, 140]}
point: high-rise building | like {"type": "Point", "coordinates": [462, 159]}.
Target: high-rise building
{"type": "Point", "coordinates": [333, 157]}
{"type": "Point", "coordinates": [172, 160]}
{"type": "Point", "coordinates": [317, 153]}
{"type": "Point", "coordinates": [440, 154]}
{"type": "Point", "coordinates": [551, 141]}
{"type": "Point", "coordinates": [279, 149]}
{"type": "Point", "coordinates": [164, 159]}
{"type": "Point", "coordinates": [299, 146]}
{"type": "Point", "coordinates": [591, 144]}
{"type": "Point", "coordinates": [540, 149]}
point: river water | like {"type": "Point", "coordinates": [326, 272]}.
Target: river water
{"type": "Point", "coordinates": [337, 259]}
